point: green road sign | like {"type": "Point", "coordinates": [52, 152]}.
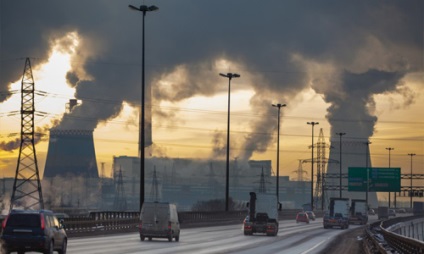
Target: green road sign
{"type": "Point", "coordinates": [380, 179]}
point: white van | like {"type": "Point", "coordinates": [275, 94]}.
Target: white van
{"type": "Point", "coordinates": [159, 220]}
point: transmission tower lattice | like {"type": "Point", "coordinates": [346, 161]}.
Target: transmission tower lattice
{"type": "Point", "coordinates": [262, 182]}
{"type": "Point", "coordinates": [321, 162]}
{"type": "Point", "coordinates": [26, 186]}
{"type": "Point", "coordinates": [154, 192]}
{"type": "Point", "coordinates": [300, 172]}
{"type": "Point", "coordinates": [120, 202]}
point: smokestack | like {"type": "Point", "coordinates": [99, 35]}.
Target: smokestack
{"type": "Point", "coordinates": [71, 152]}
{"type": "Point", "coordinates": [354, 154]}
{"type": "Point", "coordinates": [72, 103]}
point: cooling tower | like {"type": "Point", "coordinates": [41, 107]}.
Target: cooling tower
{"type": "Point", "coordinates": [354, 154]}
{"type": "Point", "coordinates": [71, 152]}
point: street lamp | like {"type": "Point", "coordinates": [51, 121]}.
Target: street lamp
{"type": "Point", "coordinates": [227, 175]}
{"type": "Point", "coordinates": [390, 149]}
{"type": "Point", "coordinates": [340, 176]}
{"type": "Point", "coordinates": [143, 9]}
{"type": "Point", "coordinates": [410, 202]}
{"type": "Point", "coordinates": [279, 105]}
{"type": "Point", "coordinates": [366, 166]}
{"type": "Point", "coordinates": [312, 166]}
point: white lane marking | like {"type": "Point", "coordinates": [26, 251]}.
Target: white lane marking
{"type": "Point", "coordinates": [315, 246]}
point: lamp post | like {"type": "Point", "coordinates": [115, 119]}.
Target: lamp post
{"type": "Point", "coordinates": [366, 166]}
{"type": "Point", "coordinates": [312, 166]}
{"type": "Point", "coordinates": [279, 105]}
{"type": "Point", "coordinates": [143, 9]}
{"type": "Point", "coordinates": [340, 175]}
{"type": "Point", "coordinates": [411, 193]}
{"type": "Point", "coordinates": [390, 149]}
{"type": "Point", "coordinates": [227, 175]}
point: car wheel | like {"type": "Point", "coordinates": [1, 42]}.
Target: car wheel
{"type": "Point", "coordinates": [63, 249]}
{"type": "Point", "coordinates": [142, 238]}
{"type": "Point", "coordinates": [177, 238]}
{"type": "Point", "coordinates": [50, 248]}
{"type": "Point", "coordinates": [150, 238]}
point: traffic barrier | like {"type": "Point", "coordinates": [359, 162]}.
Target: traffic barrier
{"type": "Point", "coordinates": [380, 239]}
{"type": "Point", "coordinates": [109, 222]}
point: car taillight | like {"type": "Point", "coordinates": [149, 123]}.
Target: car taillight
{"type": "Point", "coordinates": [169, 225]}
{"type": "Point", "coordinates": [43, 223]}
{"type": "Point", "coordinates": [140, 224]}
{"type": "Point", "coordinates": [3, 224]}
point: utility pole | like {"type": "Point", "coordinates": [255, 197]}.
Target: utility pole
{"type": "Point", "coordinates": [390, 149]}
{"type": "Point", "coordinates": [366, 166]}
{"type": "Point", "coordinates": [279, 105]}
{"type": "Point", "coordinates": [227, 171]}
{"type": "Point", "coordinates": [144, 9]}
{"type": "Point", "coordinates": [411, 192]}
{"type": "Point", "coordinates": [340, 176]}
{"type": "Point", "coordinates": [312, 165]}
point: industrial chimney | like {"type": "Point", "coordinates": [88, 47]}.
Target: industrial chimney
{"type": "Point", "coordinates": [71, 153]}
{"type": "Point", "coordinates": [354, 154]}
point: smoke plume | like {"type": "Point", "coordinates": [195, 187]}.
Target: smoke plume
{"type": "Point", "coordinates": [369, 46]}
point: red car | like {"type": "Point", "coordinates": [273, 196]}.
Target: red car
{"type": "Point", "coordinates": [302, 217]}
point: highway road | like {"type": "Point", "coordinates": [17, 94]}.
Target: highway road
{"type": "Point", "coordinates": [292, 238]}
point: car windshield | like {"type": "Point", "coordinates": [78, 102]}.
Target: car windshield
{"type": "Point", "coordinates": [23, 220]}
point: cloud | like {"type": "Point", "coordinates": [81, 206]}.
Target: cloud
{"type": "Point", "coordinates": [367, 46]}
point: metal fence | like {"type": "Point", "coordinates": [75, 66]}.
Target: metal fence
{"type": "Point", "coordinates": [97, 223]}
{"type": "Point", "coordinates": [380, 239]}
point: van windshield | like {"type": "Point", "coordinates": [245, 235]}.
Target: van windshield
{"type": "Point", "coordinates": [24, 220]}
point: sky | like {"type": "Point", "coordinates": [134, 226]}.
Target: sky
{"type": "Point", "coordinates": [353, 66]}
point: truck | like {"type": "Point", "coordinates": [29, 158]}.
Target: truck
{"type": "Point", "coordinates": [337, 214]}
{"type": "Point", "coordinates": [383, 212]}
{"type": "Point", "coordinates": [358, 212]}
{"type": "Point", "coordinates": [263, 214]}
{"type": "Point", "coordinates": [418, 208]}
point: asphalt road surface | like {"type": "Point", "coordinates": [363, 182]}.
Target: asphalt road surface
{"type": "Point", "coordinates": [292, 238]}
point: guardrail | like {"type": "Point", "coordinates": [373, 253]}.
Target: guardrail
{"type": "Point", "coordinates": [97, 223]}
{"type": "Point", "coordinates": [398, 242]}
{"type": "Point", "coordinates": [379, 239]}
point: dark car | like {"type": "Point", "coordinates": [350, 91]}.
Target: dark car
{"type": "Point", "coordinates": [33, 230]}
{"type": "Point", "coordinates": [302, 217]}
{"type": "Point", "coordinates": [311, 215]}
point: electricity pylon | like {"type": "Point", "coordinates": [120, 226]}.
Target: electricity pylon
{"type": "Point", "coordinates": [120, 202]}
{"type": "Point", "coordinates": [26, 186]}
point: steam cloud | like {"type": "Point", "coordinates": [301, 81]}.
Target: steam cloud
{"type": "Point", "coordinates": [368, 47]}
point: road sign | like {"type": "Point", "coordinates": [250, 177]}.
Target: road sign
{"type": "Point", "coordinates": [379, 179]}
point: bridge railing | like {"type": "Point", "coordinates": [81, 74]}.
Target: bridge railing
{"type": "Point", "coordinates": [380, 239]}
{"type": "Point", "coordinates": [116, 222]}
{"type": "Point", "coordinates": [399, 242]}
